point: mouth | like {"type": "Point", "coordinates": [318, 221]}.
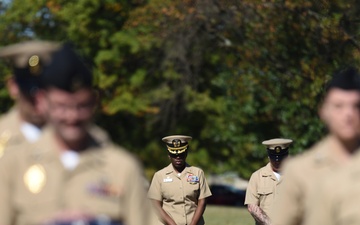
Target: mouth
{"type": "Point", "coordinates": [178, 161]}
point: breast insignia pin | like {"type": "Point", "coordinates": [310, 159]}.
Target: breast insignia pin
{"type": "Point", "coordinates": [35, 178]}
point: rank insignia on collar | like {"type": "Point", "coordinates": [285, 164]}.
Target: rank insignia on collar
{"type": "Point", "coordinates": [35, 178]}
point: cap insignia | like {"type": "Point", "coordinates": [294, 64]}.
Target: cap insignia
{"type": "Point", "coordinates": [277, 149]}
{"type": "Point", "coordinates": [176, 143]}
{"type": "Point", "coordinates": [34, 63]}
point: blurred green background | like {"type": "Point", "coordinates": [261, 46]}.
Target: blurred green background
{"type": "Point", "coordinates": [215, 215]}
{"type": "Point", "coordinates": [229, 73]}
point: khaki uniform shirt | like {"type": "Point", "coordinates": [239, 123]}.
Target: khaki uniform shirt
{"type": "Point", "coordinates": [12, 136]}
{"type": "Point", "coordinates": [10, 133]}
{"type": "Point", "coordinates": [179, 195]}
{"type": "Point", "coordinates": [299, 174]}
{"type": "Point", "coordinates": [335, 199]}
{"type": "Point", "coordinates": [34, 184]}
{"type": "Point", "coordinates": [262, 188]}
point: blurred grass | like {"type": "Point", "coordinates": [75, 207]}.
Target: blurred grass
{"type": "Point", "coordinates": [224, 215]}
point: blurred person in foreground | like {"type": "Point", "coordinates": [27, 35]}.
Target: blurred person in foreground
{"type": "Point", "coordinates": [263, 184]}
{"type": "Point", "coordinates": [68, 176]}
{"type": "Point", "coordinates": [179, 191]}
{"type": "Point", "coordinates": [24, 121]}
{"type": "Point", "coordinates": [334, 200]}
{"type": "Point", "coordinates": [340, 113]}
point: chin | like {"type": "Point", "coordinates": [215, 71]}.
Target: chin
{"type": "Point", "coordinates": [73, 135]}
{"type": "Point", "coordinates": [349, 137]}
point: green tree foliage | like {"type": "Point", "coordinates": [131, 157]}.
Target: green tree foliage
{"type": "Point", "coordinates": [230, 73]}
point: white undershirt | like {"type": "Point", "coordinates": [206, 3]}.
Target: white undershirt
{"type": "Point", "coordinates": [277, 175]}
{"type": "Point", "coordinates": [30, 131]}
{"type": "Point", "coordinates": [70, 159]}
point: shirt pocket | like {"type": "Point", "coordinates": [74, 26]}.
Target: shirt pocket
{"type": "Point", "coordinates": [265, 191]}
{"type": "Point", "coordinates": [169, 191]}
{"type": "Point", "coordinates": [265, 196]}
{"type": "Point", "coordinates": [192, 190]}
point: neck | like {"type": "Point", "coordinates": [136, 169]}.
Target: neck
{"type": "Point", "coordinates": [78, 145]}
{"type": "Point", "coordinates": [39, 124]}
{"type": "Point", "coordinates": [345, 148]}
{"type": "Point", "coordinates": [349, 145]}
{"type": "Point", "coordinates": [179, 169]}
{"type": "Point", "coordinates": [276, 170]}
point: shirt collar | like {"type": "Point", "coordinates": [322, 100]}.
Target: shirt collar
{"type": "Point", "coordinates": [327, 152]}
{"type": "Point", "coordinates": [46, 150]}
{"type": "Point", "coordinates": [170, 169]}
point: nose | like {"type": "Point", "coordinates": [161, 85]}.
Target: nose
{"type": "Point", "coordinates": [352, 112]}
{"type": "Point", "coordinates": [73, 113]}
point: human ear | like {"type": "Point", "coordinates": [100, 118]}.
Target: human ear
{"type": "Point", "coordinates": [41, 102]}
{"type": "Point", "coordinates": [13, 88]}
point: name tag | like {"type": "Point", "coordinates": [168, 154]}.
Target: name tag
{"type": "Point", "coordinates": [168, 179]}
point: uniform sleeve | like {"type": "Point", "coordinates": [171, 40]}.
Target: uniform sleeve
{"type": "Point", "coordinates": [204, 187]}
{"type": "Point", "coordinates": [138, 208]}
{"type": "Point", "coordinates": [7, 211]}
{"type": "Point", "coordinates": [320, 207]}
{"type": "Point", "coordinates": [155, 188]}
{"type": "Point", "coordinates": [289, 204]}
{"type": "Point", "coordinates": [252, 196]}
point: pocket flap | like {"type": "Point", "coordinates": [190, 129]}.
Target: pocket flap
{"type": "Point", "coordinates": [265, 191]}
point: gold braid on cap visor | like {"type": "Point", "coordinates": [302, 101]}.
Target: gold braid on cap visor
{"type": "Point", "coordinates": [177, 150]}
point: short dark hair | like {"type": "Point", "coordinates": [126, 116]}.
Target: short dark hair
{"type": "Point", "coordinates": [67, 71]}
{"type": "Point", "coordinates": [346, 79]}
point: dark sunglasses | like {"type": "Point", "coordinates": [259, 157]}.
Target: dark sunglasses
{"type": "Point", "coordinates": [181, 155]}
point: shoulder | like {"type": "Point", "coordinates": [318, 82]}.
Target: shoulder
{"type": "Point", "coordinates": [99, 134]}
{"type": "Point", "coordinates": [8, 117]}
{"type": "Point", "coordinates": [314, 155]}
{"type": "Point", "coordinates": [10, 128]}
{"type": "Point", "coordinates": [163, 171]}
{"type": "Point", "coordinates": [258, 173]}
{"type": "Point", "coordinates": [119, 156]}
{"type": "Point", "coordinates": [10, 122]}
{"type": "Point", "coordinates": [195, 169]}
{"type": "Point", "coordinates": [13, 154]}
{"type": "Point", "coordinates": [263, 170]}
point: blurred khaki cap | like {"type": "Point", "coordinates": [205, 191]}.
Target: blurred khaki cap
{"type": "Point", "coordinates": [21, 53]}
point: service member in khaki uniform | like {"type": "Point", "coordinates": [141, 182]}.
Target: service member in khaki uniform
{"type": "Point", "coordinates": [335, 199]}
{"type": "Point", "coordinates": [340, 113]}
{"type": "Point", "coordinates": [179, 191]}
{"type": "Point", "coordinates": [263, 183]}
{"type": "Point", "coordinates": [68, 177]}
{"type": "Point", "coordinates": [24, 122]}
